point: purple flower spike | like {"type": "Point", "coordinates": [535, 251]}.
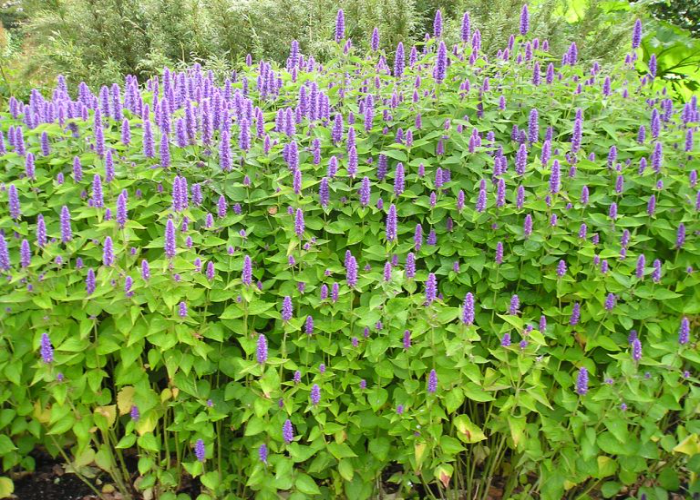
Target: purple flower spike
{"type": "Point", "coordinates": [199, 450]}
{"type": "Point", "coordinates": [340, 26]}
{"type": "Point", "coordinates": [90, 282]}
{"type": "Point", "coordinates": [262, 349]}
{"type": "Point", "coordinates": [169, 245]}
{"type": "Point", "coordinates": [506, 341]}
{"type": "Point", "coordinates": [391, 223]}
{"type": "Point", "coordinates": [680, 235]}
{"type": "Point", "coordinates": [13, 202]}
{"type": "Point", "coordinates": [182, 310]}
{"type": "Point", "coordinates": [684, 332]}
{"type": "Point", "coordinates": [641, 263]}
{"type": "Point", "coordinates": [575, 314]}
{"type": "Point", "coordinates": [582, 382]}
{"type": "Point", "coordinates": [637, 34]}
{"type": "Point", "coordinates": [315, 394]}
{"type": "Point", "coordinates": [468, 309]}
{"type": "Point", "coordinates": [247, 272]}
{"type": "Point", "coordinates": [432, 382]}
{"type": "Point", "coordinates": [610, 301]}
{"type": "Point", "coordinates": [514, 305]}
{"type": "Point", "coordinates": [636, 350]}
{"type": "Point", "coordinates": [46, 349]}
{"type": "Point", "coordinates": [287, 308]}
{"type": "Point", "coordinates": [262, 453]}
{"type": "Point", "coordinates": [288, 431]}
{"type": "Point", "coordinates": [561, 268]}
{"type": "Point", "coordinates": [299, 223]}
{"type": "Point", "coordinates": [351, 272]}
{"type": "Point", "coordinates": [524, 21]}
{"type": "Point", "coordinates": [407, 339]}
{"type": "Point", "coordinates": [309, 325]}
{"type": "Point", "coordinates": [145, 270]}
{"type": "Point", "coordinates": [430, 289]}
{"type": "Point", "coordinates": [108, 252]}
{"type": "Point", "coordinates": [134, 413]}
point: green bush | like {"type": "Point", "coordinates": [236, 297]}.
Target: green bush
{"type": "Point", "coordinates": [398, 383]}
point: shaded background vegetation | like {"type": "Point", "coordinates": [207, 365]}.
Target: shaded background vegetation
{"type": "Point", "coordinates": [99, 41]}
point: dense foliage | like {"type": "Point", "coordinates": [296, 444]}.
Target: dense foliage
{"type": "Point", "coordinates": [435, 274]}
{"type": "Point", "coordinates": [99, 41]}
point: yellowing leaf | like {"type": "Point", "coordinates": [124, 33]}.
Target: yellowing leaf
{"type": "Point", "coordinates": [421, 451]}
{"type": "Point", "coordinates": [467, 431]}
{"type": "Point", "coordinates": [689, 446]}
{"type": "Point", "coordinates": [125, 400]}
{"type": "Point", "coordinates": [146, 423]}
{"type": "Point", "coordinates": [109, 412]}
{"type": "Point", "coordinates": [7, 487]}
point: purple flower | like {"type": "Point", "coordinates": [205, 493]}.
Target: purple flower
{"type": "Point", "coordinates": [499, 253]}
{"type": "Point", "coordinates": [299, 223]}
{"type": "Point", "coordinates": [134, 413]}
{"type": "Point", "coordinates": [641, 262]}
{"type": "Point", "coordinates": [288, 431]}
{"type": "Point", "coordinates": [466, 27]}
{"type": "Point", "coordinates": [339, 26]}
{"type": "Point", "coordinates": [680, 235]}
{"type": "Point", "coordinates": [430, 289]}
{"type": "Point", "coordinates": [505, 341]}
{"type": "Point", "coordinates": [514, 305]}
{"type": "Point", "coordinates": [407, 339]}
{"type": "Point", "coordinates": [410, 265]}
{"type": "Point", "coordinates": [108, 252]}
{"type": "Point", "coordinates": [315, 394]}
{"type": "Point", "coordinates": [351, 271]}
{"type": "Point", "coordinates": [656, 273]}
{"type": "Point", "coordinates": [684, 332]}
{"type": "Point", "coordinates": [481, 200]}
{"type": "Point", "coordinates": [555, 178]}
{"type": "Point", "coordinates": [561, 268]}
{"type": "Point", "coordinates": [13, 202]}
{"type": "Point", "coordinates": [610, 301]}
{"type": "Point", "coordinates": [365, 191]}
{"type": "Point", "coordinates": [90, 282]}
{"type": "Point", "coordinates": [468, 309]}
{"type": "Point", "coordinates": [262, 349]}
{"type": "Point", "coordinates": [575, 314]}
{"type": "Point", "coordinates": [46, 349]}
{"type": "Point", "coordinates": [262, 453]}
{"type": "Point", "coordinates": [199, 450]}
{"type": "Point", "coordinates": [5, 264]}
{"type": "Point", "coordinates": [399, 61]}
{"type": "Point", "coordinates": [128, 283]}
{"type": "Point", "coordinates": [182, 310]}
{"type": "Point", "coordinates": [375, 40]}
{"type": "Point", "coordinates": [324, 192]}
{"type": "Point", "coordinates": [121, 209]}
{"type": "Point", "coordinates": [636, 350]}
{"type": "Point", "coordinates": [391, 223]}
{"type": "Point", "coordinates": [432, 381]}
{"type": "Point", "coordinates": [613, 211]}
{"type": "Point", "coordinates": [247, 272]}
{"type": "Point", "coordinates": [399, 183]}
{"type": "Point", "coordinates": [169, 245]}
{"type": "Point", "coordinates": [524, 21]}
{"type": "Point", "coordinates": [527, 226]}
{"type": "Point", "coordinates": [582, 382]}
{"type": "Point", "coordinates": [418, 238]}
{"type": "Point", "coordinates": [297, 377]}
{"type": "Point", "coordinates": [387, 272]}
{"type": "Point", "coordinates": [637, 34]}
{"type": "Point", "coordinates": [145, 270]}
{"type": "Point", "coordinates": [287, 308]}
{"type": "Point", "coordinates": [309, 325]}
{"type": "Point", "coordinates": [440, 63]}
{"type": "Point", "coordinates": [521, 159]}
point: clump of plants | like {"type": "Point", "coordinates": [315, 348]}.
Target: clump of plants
{"type": "Point", "coordinates": [439, 275]}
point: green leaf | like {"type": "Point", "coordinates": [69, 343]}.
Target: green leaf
{"type": "Point", "coordinates": [306, 485]}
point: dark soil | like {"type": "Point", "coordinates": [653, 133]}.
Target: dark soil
{"type": "Point", "coordinates": [50, 481]}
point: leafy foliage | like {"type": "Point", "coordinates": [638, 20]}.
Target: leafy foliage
{"type": "Point", "coordinates": [331, 367]}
